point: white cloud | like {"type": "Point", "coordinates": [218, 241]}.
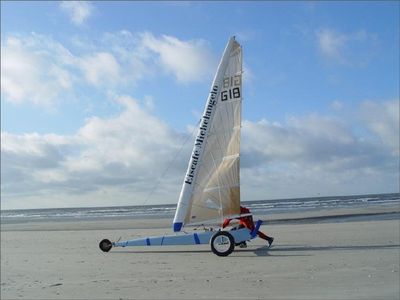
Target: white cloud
{"type": "Point", "coordinates": [354, 48]}
{"type": "Point", "coordinates": [187, 60]}
{"type": "Point", "coordinates": [331, 43]}
{"type": "Point", "coordinates": [124, 155]}
{"type": "Point", "coordinates": [34, 69]}
{"type": "Point", "coordinates": [110, 161]}
{"type": "Point", "coordinates": [309, 139]}
{"type": "Point", "coordinates": [118, 160]}
{"type": "Point", "coordinates": [101, 69]}
{"type": "Point", "coordinates": [78, 11]}
{"type": "Point", "coordinates": [317, 155]}
{"type": "Point", "coordinates": [134, 138]}
{"type": "Point", "coordinates": [37, 69]}
{"type": "Point", "coordinates": [383, 121]}
{"type": "Point", "coordinates": [337, 105]}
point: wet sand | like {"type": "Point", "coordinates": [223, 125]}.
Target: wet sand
{"type": "Point", "coordinates": [309, 260]}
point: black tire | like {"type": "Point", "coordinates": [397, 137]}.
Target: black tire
{"type": "Point", "coordinates": [222, 243]}
{"type": "Point", "coordinates": [105, 245]}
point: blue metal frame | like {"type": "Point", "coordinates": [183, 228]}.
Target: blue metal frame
{"type": "Point", "coordinates": [239, 235]}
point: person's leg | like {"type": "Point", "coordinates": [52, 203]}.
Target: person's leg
{"type": "Point", "coordinates": [265, 237]}
{"type": "Point", "coordinates": [262, 235]}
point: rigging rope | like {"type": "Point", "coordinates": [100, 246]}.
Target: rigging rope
{"type": "Point", "coordinates": [170, 164]}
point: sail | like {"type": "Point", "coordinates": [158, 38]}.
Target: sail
{"type": "Point", "coordinates": [211, 187]}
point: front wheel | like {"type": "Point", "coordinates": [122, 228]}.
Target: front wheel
{"type": "Point", "coordinates": [105, 245]}
{"type": "Point", "coordinates": [222, 243]}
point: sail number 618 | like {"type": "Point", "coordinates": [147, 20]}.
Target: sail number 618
{"type": "Point", "coordinates": [233, 84]}
{"type": "Point", "coordinates": [230, 94]}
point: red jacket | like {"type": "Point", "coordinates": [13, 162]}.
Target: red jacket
{"type": "Point", "coordinates": [244, 221]}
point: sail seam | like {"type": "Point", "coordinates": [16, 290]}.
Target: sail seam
{"type": "Point", "coordinates": [222, 159]}
{"type": "Point", "coordinates": [220, 187]}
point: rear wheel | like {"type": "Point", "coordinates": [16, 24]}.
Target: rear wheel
{"type": "Point", "coordinates": [105, 245]}
{"type": "Point", "coordinates": [222, 243]}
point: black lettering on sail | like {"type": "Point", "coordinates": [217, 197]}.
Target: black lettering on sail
{"type": "Point", "coordinates": [201, 135]}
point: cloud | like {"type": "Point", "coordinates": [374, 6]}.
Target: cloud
{"type": "Point", "coordinates": [37, 69]}
{"type": "Point", "coordinates": [354, 49]}
{"type": "Point", "coordinates": [311, 139]}
{"type": "Point", "coordinates": [331, 43]}
{"type": "Point", "coordinates": [383, 121]}
{"type": "Point", "coordinates": [337, 105]}
{"type": "Point", "coordinates": [101, 68]}
{"type": "Point", "coordinates": [317, 155]}
{"type": "Point", "coordinates": [34, 69]}
{"type": "Point", "coordinates": [118, 160]}
{"type": "Point", "coordinates": [124, 155]}
{"type": "Point", "coordinates": [78, 11]}
{"type": "Point", "coordinates": [186, 60]}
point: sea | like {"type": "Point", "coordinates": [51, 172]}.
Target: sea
{"type": "Point", "coordinates": [259, 207]}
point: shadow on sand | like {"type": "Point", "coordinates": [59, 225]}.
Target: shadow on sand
{"type": "Point", "coordinates": [276, 251]}
{"type": "Point", "coordinates": [265, 251]}
{"type": "Point", "coordinates": [332, 248]}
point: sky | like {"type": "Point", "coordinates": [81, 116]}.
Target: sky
{"type": "Point", "coordinates": [100, 100]}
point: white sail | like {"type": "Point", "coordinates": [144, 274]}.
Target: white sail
{"type": "Point", "coordinates": [211, 188]}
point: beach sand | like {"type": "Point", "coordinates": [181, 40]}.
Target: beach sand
{"type": "Point", "coordinates": [328, 260]}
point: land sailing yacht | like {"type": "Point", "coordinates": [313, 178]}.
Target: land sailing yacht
{"type": "Point", "coordinates": [211, 188]}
